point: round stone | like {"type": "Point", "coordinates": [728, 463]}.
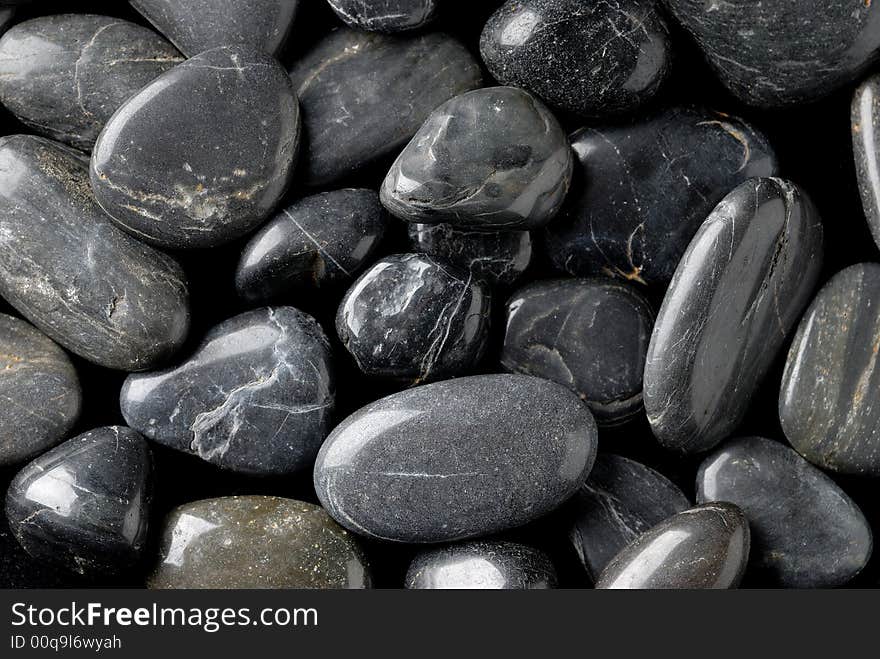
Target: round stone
{"type": "Point", "coordinates": [386, 15]}
{"type": "Point", "coordinates": [865, 122]}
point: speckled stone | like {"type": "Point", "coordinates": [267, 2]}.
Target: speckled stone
{"type": "Point", "coordinates": [364, 95]}
{"type": "Point", "coordinates": [256, 542]}
{"type": "Point", "coordinates": [386, 15]}
{"type": "Point", "coordinates": [40, 394]}
{"type": "Point", "coordinates": [492, 159]}
{"type": "Point", "coordinates": [254, 397]}
{"type": "Point", "coordinates": [496, 257]}
{"type": "Point", "coordinates": [642, 190]}
{"type": "Point", "coordinates": [829, 403]}
{"type": "Point", "coordinates": [413, 318]}
{"type": "Point", "coordinates": [456, 459]}
{"type": "Point", "coordinates": [201, 155]}
{"type": "Point", "coordinates": [737, 294]}
{"type": "Point", "coordinates": [806, 532]}
{"type": "Point", "coordinates": [704, 547]}
{"type": "Point", "coordinates": [784, 52]}
{"type": "Point", "coordinates": [64, 266]}
{"type": "Point", "coordinates": [85, 504]}
{"type": "Point", "coordinates": [482, 565]}
{"type": "Point", "coordinates": [314, 243]}
{"type": "Point", "coordinates": [621, 500]}
{"type": "Point", "coordinates": [65, 75]}
{"type": "Point", "coordinates": [198, 25]}
{"type": "Point", "coordinates": [590, 335]}
{"type": "Point", "coordinates": [865, 122]}
{"type": "Point", "coordinates": [592, 58]}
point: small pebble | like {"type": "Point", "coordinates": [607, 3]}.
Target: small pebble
{"type": "Point", "coordinates": [386, 15]}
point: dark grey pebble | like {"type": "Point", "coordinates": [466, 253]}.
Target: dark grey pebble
{"type": "Point", "coordinates": [386, 15]}
{"type": "Point", "coordinates": [865, 121]}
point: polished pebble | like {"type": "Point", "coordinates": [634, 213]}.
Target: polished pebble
{"type": "Point", "coordinates": [806, 532]}
{"type": "Point", "coordinates": [456, 459]}
{"type": "Point", "coordinates": [865, 121]}
{"type": "Point", "coordinates": [386, 15]}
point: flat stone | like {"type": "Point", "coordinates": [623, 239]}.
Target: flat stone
{"type": "Point", "coordinates": [770, 54]}
{"type": "Point", "coordinates": [413, 318]}
{"type": "Point", "coordinates": [256, 542]}
{"type": "Point", "coordinates": [195, 26]}
{"type": "Point", "coordinates": [832, 379]}
{"type": "Point", "coordinates": [65, 75]}
{"type": "Point", "coordinates": [65, 267]}
{"type": "Point", "coordinates": [386, 15]}
{"type": "Point", "coordinates": [546, 47]}
{"type": "Point", "coordinates": [642, 190]}
{"type": "Point", "coordinates": [704, 547]}
{"type": "Point", "coordinates": [737, 294]}
{"type": "Point", "coordinates": [496, 257]}
{"type": "Point", "coordinates": [85, 504]}
{"type": "Point", "coordinates": [203, 154]}
{"type": "Point", "coordinates": [590, 335]}
{"type": "Point", "coordinates": [492, 159]}
{"type": "Point", "coordinates": [254, 397]}
{"type": "Point", "coordinates": [865, 121]}
{"type": "Point", "coordinates": [314, 243]}
{"type": "Point", "coordinates": [40, 394]}
{"type": "Point", "coordinates": [482, 565]}
{"type": "Point", "coordinates": [364, 95]}
{"type": "Point", "coordinates": [456, 459]}
{"type": "Point", "coordinates": [621, 500]}
{"type": "Point", "coordinates": [806, 532]}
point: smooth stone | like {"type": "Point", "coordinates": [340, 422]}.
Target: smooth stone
{"type": "Point", "coordinates": [621, 500]}
{"type": "Point", "coordinates": [66, 268]}
{"type": "Point", "coordinates": [195, 26]}
{"type": "Point", "coordinates": [413, 318]}
{"type": "Point", "coordinates": [385, 15]}
{"type": "Point", "coordinates": [704, 547]}
{"type": "Point", "coordinates": [364, 95]}
{"type": "Point", "coordinates": [40, 394]}
{"type": "Point", "coordinates": [255, 396]}
{"type": "Point", "coordinates": [806, 532]}
{"type": "Point", "coordinates": [65, 75]}
{"type": "Point", "coordinates": [590, 335]}
{"type": "Point", "coordinates": [489, 159]}
{"type": "Point", "coordinates": [252, 542]}
{"type": "Point", "coordinates": [643, 189]}
{"type": "Point", "coordinates": [785, 52]}
{"type": "Point", "coordinates": [456, 459]}
{"type": "Point", "coordinates": [203, 154]}
{"type": "Point", "coordinates": [735, 297]}
{"type": "Point", "coordinates": [314, 243]}
{"type": "Point", "coordinates": [85, 504]}
{"type": "Point", "coordinates": [829, 402]}
{"type": "Point", "coordinates": [865, 121]}
{"type": "Point", "coordinates": [496, 257]}
{"type": "Point", "coordinates": [482, 565]}
{"type": "Point", "coordinates": [594, 59]}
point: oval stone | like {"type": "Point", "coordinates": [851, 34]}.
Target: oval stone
{"type": "Point", "coordinates": [256, 542]}
{"type": "Point", "coordinates": [65, 75]}
{"type": "Point", "coordinates": [255, 396]}
{"type": "Point", "coordinates": [201, 155]}
{"type": "Point", "coordinates": [456, 459]}
{"type": "Point", "coordinates": [704, 547]}
{"type": "Point", "coordinates": [594, 59]}
{"type": "Point", "coordinates": [806, 532]}
{"type": "Point", "coordinates": [386, 15]}
{"type": "Point", "coordinates": [589, 335]}
{"type": "Point", "coordinates": [413, 318]}
{"type": "Point", "coordinates": [621, 500]}
{"type": "Point", "coordinates": [737, 293]}
{"type": "Point", "coordinates": [91, 287]}
{"type": "Point", "coordinates": [489, 159]}
{"type": "Point", "coordinates": [364, 95]}
{"type": "Point", "coordinates": [642, 190]}
{"type": "Point", "coordinates": [316, 242]}
{"type": "Point", "coordinates": [482, 565]}
{"type": "Point", "coordinates": [85, 504]}
{"type": "Point", "coordinates": [40, 394]}
{"type": "Point", "coordinates": [865, 123]}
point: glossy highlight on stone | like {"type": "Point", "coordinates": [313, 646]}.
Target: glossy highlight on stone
{"type": "Point", "coordinates": [456, 459]}
{"type": "Point", "coordinates": [736, 295]}
{"type": "Point", "coordinates": [255, 397]}
{"type": "Point", "coordinates": [865, 121]}
{"type": "Point", "coordinates": [386, 15]}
